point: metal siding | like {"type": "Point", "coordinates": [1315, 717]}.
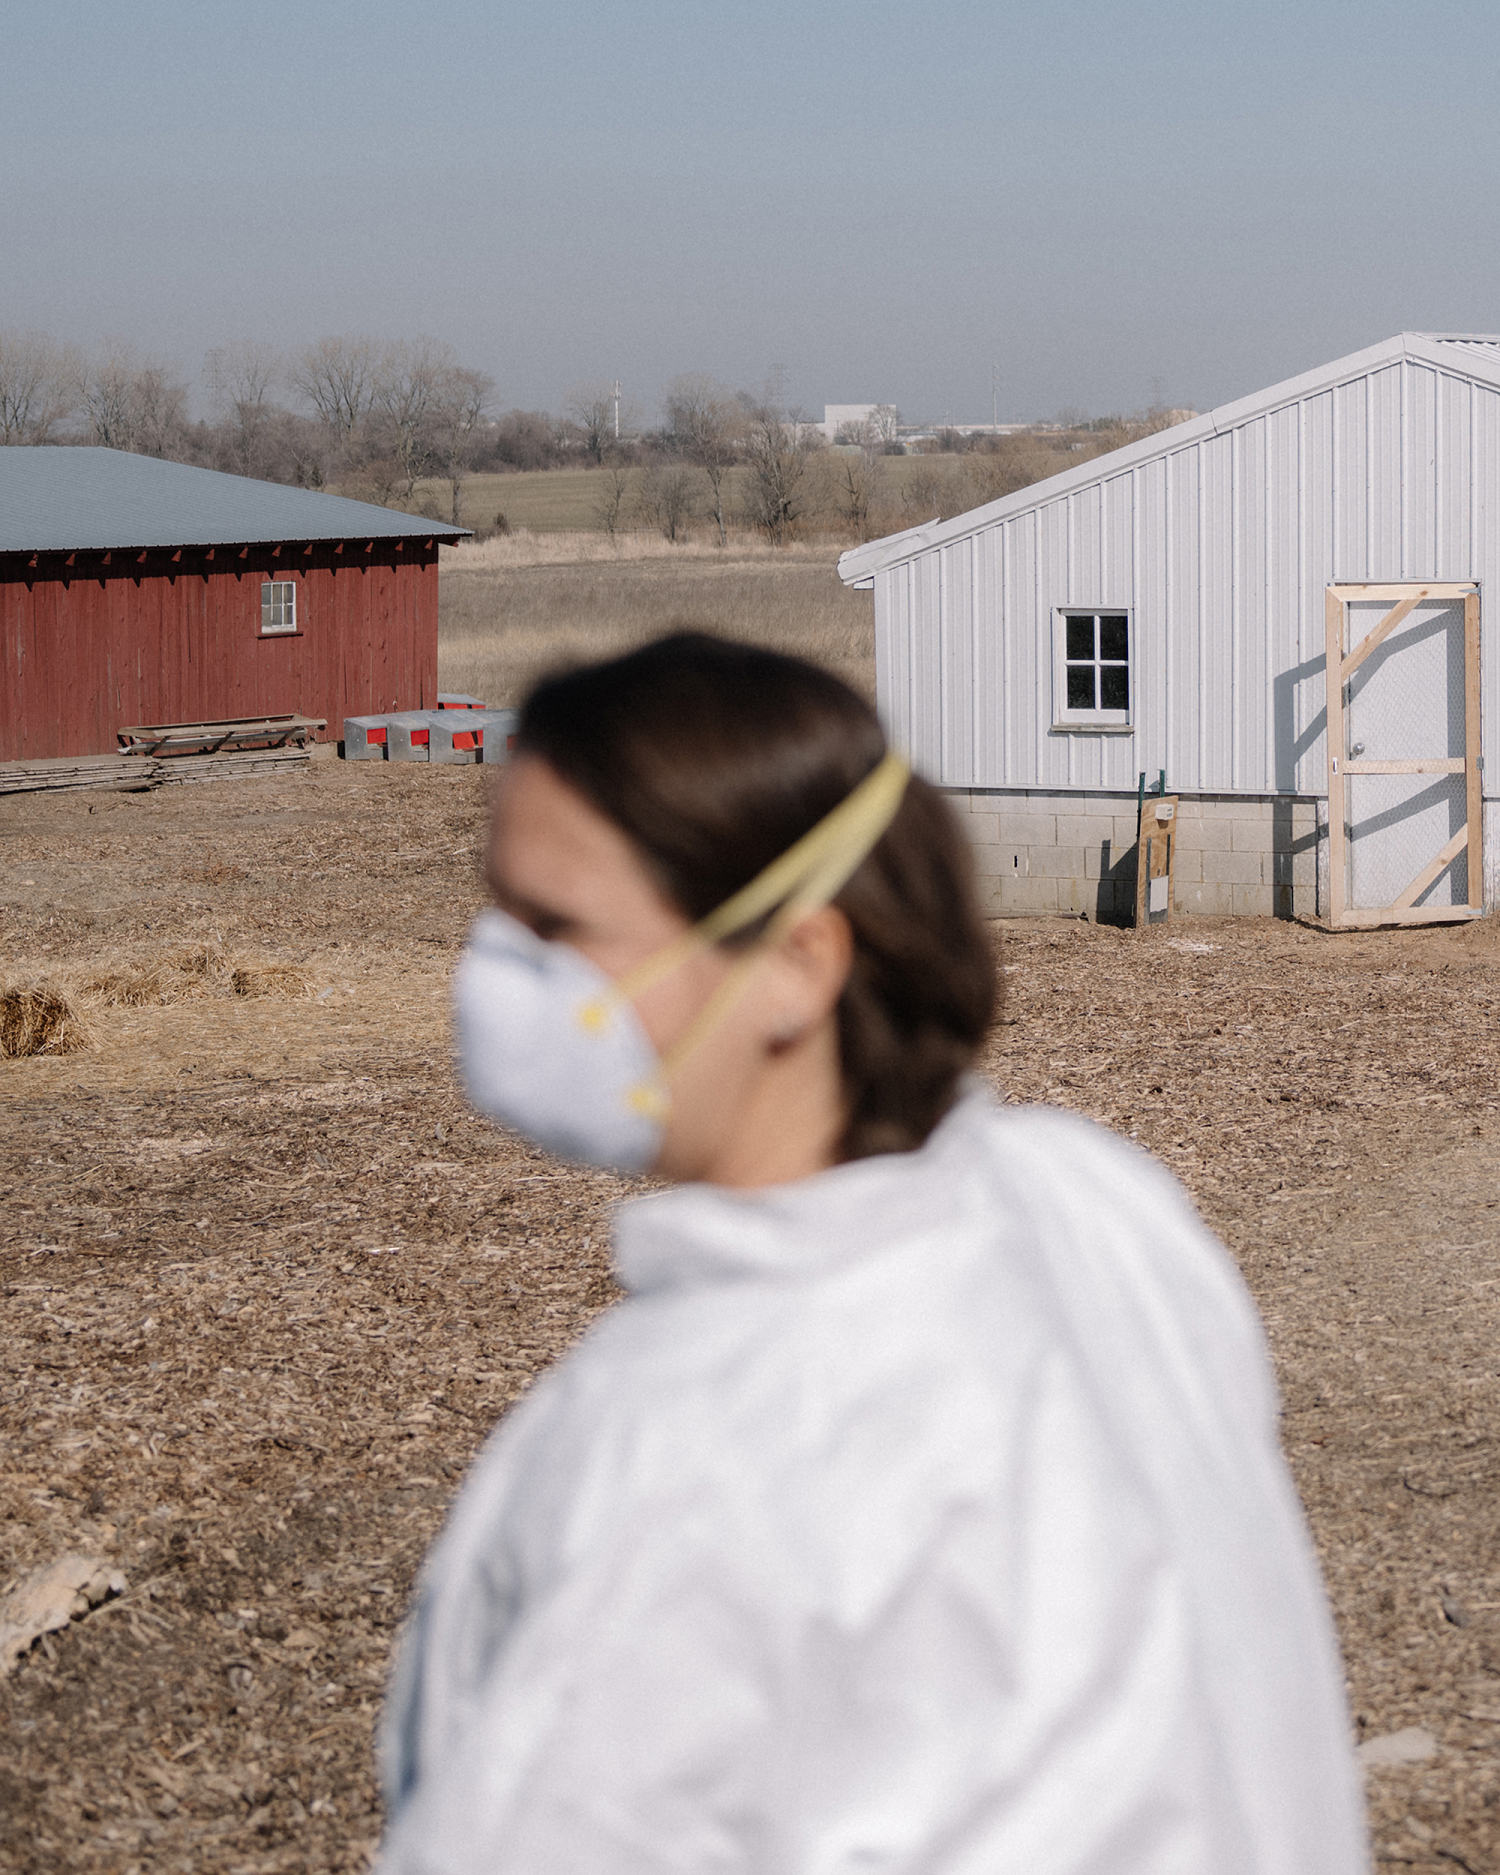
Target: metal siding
{"type": "Point", "coordinates": [893, 654]}
{"type": "Point", "coordinates": [1028, 702]}
{"type": "Point", "coordinates": [1216, 580]}
{"type": "Point", "coordinates": [956, 564]}
{"type": "Point", "coordinates": [1350, 481]}
{"type": "Point", "coordinates": [1419, 455]}
{"type": "Point", "coordinates": [1283, 596]}
{"type": "Point", "coordinates": [1052, 589]}
{"type": "Point", "coordinates": [927, 665]}
{"type": "Point", "coordinates": [1150, 674]}
{"type": "Point", "coordinates": [1086, 547]}
{"type": "Point", "coordinates": [1184, 654]}
{"type": "Point", "coordinates": [1382, 477]}
{"type": "Point", "coordinates": [1250, 684]}
{"type": "Point", "coordinates": [1453, 432]}
{"type": "Point", "coordinates": [993, 632]}
{"type": "Point", "coordinates": [89, 649]}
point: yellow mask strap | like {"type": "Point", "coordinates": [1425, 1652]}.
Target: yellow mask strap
{"type": "Point", "coordinates": [808, 874]}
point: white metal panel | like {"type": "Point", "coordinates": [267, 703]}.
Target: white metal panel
{"type": "Point", "coordinates": [1318, 553]}
{"type": "Point", "coordinates": [893, 654]}
{"type": "Point", "coordinates": [991, 688]}
{"type": "Point", "coordinates": [1052, 591]}
{"type": "Point", "coordinates": [1453, 437]}
{"type": "Point", "coordinates": [1282, 609]}
{"type": "Point", "coordinates": [1184, 754]}
{"type": "Point", "coordinates": [1351, 558]}
{"type": "Point", "coordinates": [1028, 705]}
{"type": "Point", "coordinates": [956, 589]}
{"type": "Point", "coordinates": [1419, 452]}
{"type": "Point", "coordinates": [927, 665]}
{"type": "Point", "coordinates": [1216, 616]}
{"type": "Point", "coordinates": [1150, 674]}
{"type": "Point", "coordinates": [1381, 476]}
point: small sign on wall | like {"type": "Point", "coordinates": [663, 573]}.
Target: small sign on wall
{"type": "Point", "coordinates": [1156, 847]}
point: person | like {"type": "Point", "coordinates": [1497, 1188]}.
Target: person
{"type": "Point", "coordinates": [920, 1508]}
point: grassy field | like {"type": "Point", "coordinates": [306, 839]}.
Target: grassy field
{"type": "Point", "coordinates": [904, 491]}
{"type": "Point", "coordinates": [511, 608]}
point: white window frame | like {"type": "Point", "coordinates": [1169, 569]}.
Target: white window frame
{"type": "Point", "coordinates": [1072, 717]}
{"type": "Point", "coordinates": [278, 608]}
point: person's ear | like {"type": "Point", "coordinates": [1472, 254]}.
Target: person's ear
{"type": "Point", "coordinates": [813, 961]}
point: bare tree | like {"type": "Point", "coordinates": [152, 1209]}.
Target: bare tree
{"type": "Point", "coordinates": [614, 492]}
{"type": "Point", "coordinates": [667, 498]}
{"type": "Point", "coordinates": [603, 420]}
{"type": "Point", "coordinates": [38, 386]}
{"type": "Point", "coordinates": [241, 378]}
{"type": "Point", "coordinates": [458, 409]}
{"type": "Point", "coordinates": [338, 378]}
{"type": "Point", "coordinates": [858, 484]}
{"type": "Point", "coordinates": [704, 421]}
{"type": "Point", "coordinates": [133, 405]}
{"type": "Point", "coordinates": [778, 449]}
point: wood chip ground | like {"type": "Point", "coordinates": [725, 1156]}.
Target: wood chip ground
{"type": "Point", "coordinates": [265, 1285]}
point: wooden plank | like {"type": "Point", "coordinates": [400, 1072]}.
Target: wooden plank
{"type": "Point", "coordinates": [1155, 852]}
{"type": "Point", "coordinates": [1373, 640]}
{"type": "Point", "coordinates": [1433, 914]}
{"type": "Point", "coordinates": [1347, 589]}
{"type": "Point", "coordinates": [1439, 863]}
{"type": "Point", "coordinates": [1436, 765]}
{"type": "Point", "coordinates": [1473, 791]}
{"type": "Point", "coordinates": [1338, 863]}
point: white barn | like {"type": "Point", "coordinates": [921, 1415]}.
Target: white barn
{"type": "Point", "coordinates": [1172, 606]}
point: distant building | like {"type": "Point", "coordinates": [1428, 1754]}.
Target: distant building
{"type": "Point", "coordinates": [139, 591]}
{"type": "Point", "coordinates": [1205, 603]}
{"type": "Point", "coordinates": [859, 423]}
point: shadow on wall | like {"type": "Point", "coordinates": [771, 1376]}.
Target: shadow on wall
{"type": "Point", "coordinates": [1114, 901]}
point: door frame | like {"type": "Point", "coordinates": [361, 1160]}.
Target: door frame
{"type": "Point", "coordinates": [1403, 597]}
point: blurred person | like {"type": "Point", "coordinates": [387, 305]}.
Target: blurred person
{"type": "Point", "coordinates": [921, 1508]}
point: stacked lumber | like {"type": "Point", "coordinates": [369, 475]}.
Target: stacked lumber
{"type": "Point", "coordinates": [138, 773]}
{"type": "Point", "coordinates": [231, 764]}
{"type": "Point", "coordinates": [131, 773]}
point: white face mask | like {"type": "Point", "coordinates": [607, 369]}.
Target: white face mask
{"type": "Point", "coordinates": [553, 1048]}
{"type": "Point", "coordinates": [549, 1051]}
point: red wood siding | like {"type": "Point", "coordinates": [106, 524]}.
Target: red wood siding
{"type": "Point", "coordinates": [126, 638]}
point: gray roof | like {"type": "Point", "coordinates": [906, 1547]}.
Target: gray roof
{"type": "Point", "coordinates": [60, 499]}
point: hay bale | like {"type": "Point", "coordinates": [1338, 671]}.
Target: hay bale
{"type": "Point", "coordinates": [190, 971]}
{"type": "Point", "coordinates": [38, 1019]}
{"type": "Point", "coordinates": [265, 977]}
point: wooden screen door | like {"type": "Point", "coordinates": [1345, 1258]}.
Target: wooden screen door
{"type": "Point", "coordinates": [1404, 835]}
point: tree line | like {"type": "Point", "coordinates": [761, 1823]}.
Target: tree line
{"type": "Point", "coordinates": [393, 422]}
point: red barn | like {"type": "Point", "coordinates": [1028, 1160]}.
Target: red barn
{"type": "Point", "coordinates": [139, 591]}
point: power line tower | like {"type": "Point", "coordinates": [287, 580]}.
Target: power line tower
{"type": "Point", "coordinates": [615, 393]}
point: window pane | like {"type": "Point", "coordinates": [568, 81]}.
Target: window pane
{"type": "Point", "coordinates": [1080, 687]}
{"type": "Point", "coordinates": [1114, 636]}
{"type": "Point", "coordinates": [1114, 687]}
{"type": "Point", "coordinates": [1080, 637]}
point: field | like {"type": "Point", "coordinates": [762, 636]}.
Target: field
{"type": "Point", "coordinates": [267, 1284]}
{"type": "Point", "coordinates": [512, 608]}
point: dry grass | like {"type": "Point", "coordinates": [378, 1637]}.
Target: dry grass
{"type": "Point", "coordinates": [39, 1019]}
{"type": "Point", "coordinates": [512, 609]}
{"type": "Point", "coordinates": [267, 1283]}
{"type": "Point", "coordinates": [187, 971]}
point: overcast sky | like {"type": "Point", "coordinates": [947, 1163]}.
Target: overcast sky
{"type": "Point", "coordinates": [1107, 202]}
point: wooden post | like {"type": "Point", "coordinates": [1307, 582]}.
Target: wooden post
{"type": "Point", "coordinates": [1474, 790]}
{"type": "Point", "coordinates": [1338, 878]}
{"type": "Point", "coordinates": [1156, 849]}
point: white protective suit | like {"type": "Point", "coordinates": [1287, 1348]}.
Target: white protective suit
{"type": "Point", "coordinates": [926, 1515]}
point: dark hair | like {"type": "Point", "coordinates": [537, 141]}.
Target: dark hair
{"type": "Point", "coordinates": [713, 758]}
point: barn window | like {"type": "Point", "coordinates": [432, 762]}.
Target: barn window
{"type": "Point", "coordinates": [278, 606]}
{"type": "Point", "coordinates": [1091, 669]}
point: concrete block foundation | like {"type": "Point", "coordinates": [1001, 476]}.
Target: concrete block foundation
{"type": "Point", "coordinates": [1237, 855]}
